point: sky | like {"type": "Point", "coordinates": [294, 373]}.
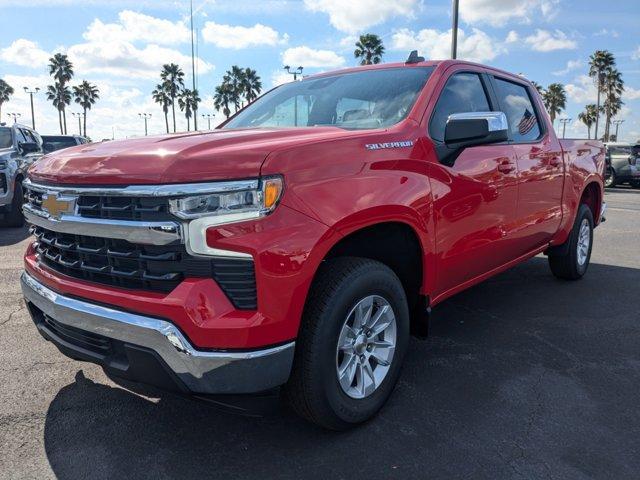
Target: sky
{"type": "Point", "coordinates": [121, 45]}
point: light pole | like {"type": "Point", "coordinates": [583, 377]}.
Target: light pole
{"type": "Point", "coordinates": [146, 116]}
{"type": "Point", "coordinates": [15, 116]}
{"type": "Point", "coordinates": [79, 117]}
{"type": "Point", "coordinates": [564, 122]}
{"type": "Point", "coordinates": [617, 123]}
{"type": "Point", "coordinates": [295, 73]}
{"type": "Point", "coordinates": [208, 116]}
{"type": "Point", "coordinates": [31, 93]}
{"type": "Point", "coordinates": [454, 29]}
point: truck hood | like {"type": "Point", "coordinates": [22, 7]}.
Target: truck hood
{"type": "Point", "coordinates": [183, 158]}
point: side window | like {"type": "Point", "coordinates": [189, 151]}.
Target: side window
{"type": "Point", "coordinates": [462, 93]}
{"type": "Point", "coordinates": [20, 138]}
{"type": "Point", "coordinates": [517, 105]}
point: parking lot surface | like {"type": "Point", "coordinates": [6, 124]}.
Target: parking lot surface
{"type": "Point", "coordinates": [523, 376]}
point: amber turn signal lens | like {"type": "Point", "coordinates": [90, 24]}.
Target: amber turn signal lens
{"type": "Point", "coordinates": [272, 191]}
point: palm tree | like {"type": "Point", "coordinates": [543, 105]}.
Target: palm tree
{"type": "Point", "coordinates": [235, 78]}
{"type": "Point", "coordinates": [60, 96]}
{"type": "Point", "coordinates": [613, 88]}
{"type": "Point", "coordinates": [188, 102]}
{"type": "Point", "coordinates": [6, 91]}
{"type": "Point", "coordinates": [173, 78]}
{"type": "Point", "coordinates": [251, 85]}
{"type": "Point", "coordinates": [599, 63]}
{"type": "Point", "coordinates": [222, 98]}
{"type": "Point", "coordinates": [588, 117]}
{"type": "Point", "coordinates": [369, 49]}
{"type": "Point", "coordinates": [555, 100]}
{"type": "Point", "coordinates": [61, 69]}
{"type": "Point", "coordinates": [161, 95]}
{"type": "Point", "coordinates": [86, 95]}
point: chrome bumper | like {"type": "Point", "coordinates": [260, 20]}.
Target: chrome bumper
{"type": "Point", "coordinates": [204, 372]}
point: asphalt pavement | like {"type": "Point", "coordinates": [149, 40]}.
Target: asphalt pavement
{"type": "Point", "coordinates": [523, 376]}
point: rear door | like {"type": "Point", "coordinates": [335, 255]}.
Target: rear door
{"type": "Point", "coordinates": [475, 198]}
{"type": "Point", "coordinates": [540, 165]}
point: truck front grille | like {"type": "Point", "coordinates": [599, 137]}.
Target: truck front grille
{"type": "Point", "coordinates": [143, 267]}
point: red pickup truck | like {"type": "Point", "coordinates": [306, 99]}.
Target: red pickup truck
{"type": "Point", "coordinates": [298, 245]}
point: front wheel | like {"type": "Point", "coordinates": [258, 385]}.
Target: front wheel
{"type": "Point", "coordinates": [351, 345]}
{"type": "Point", "coordinates": [15, 218]}
{"type": "Point", "coordinates": [610, 179]}
{"type": "Point", "coordinates": [573, 261]}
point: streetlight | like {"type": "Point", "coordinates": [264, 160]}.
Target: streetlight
{"type": "Point", "coordinates": [617, 123]}
{"type": "Point", "coordinates": [564, 122]}
{"type": "Point", "coordinates": [15, 116]}
{"type": "Point", "coordinates": [31, 93]}
{"type": "Point", "coordinates": [454, 30]}
{"type": "Point", "coordinates": [208, 116]}
{"type": "Point", "coordinates": [146, 116]}
{"type": "Point", "coordinates": [295, 73]}
{"type": "Point", "coordinates": [78, 116]}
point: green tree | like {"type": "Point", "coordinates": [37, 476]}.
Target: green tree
{"type": "Point", "coordinates": [60, 96]}
{"type": "Point", "coordinates": [161, 95]}
{"type": "Point", "coordinates": [251, 85]}
{"type": "Point", "coordinates": [6, 91]}
{"type": "Point", "coordinates": [369, 49]}
{"type": "Point", "coordinates": [599, 63]}
{"type": "Point", "coordinates": [555, 100]}
{"type": "Point", "coordinates": [86, 95]}
{"type": "Point", "coordinates": [613, 88]}
{"type": "Point", "coordinates": [173, 79]}
{"type": "Point", "coordinates": [222, 98]}
{"type": "Point", "coordinates": [588, 117]}
{"type": "Point", "coordinates": [61, 69]}
{"type": "Point", "coordinates": [188, 102]}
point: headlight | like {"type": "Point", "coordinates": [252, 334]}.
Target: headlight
{"type": "Point", "coordinates": [235, 201]}
{"type": "Point", "coordinates": [228, 202]}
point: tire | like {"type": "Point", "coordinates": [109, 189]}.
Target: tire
{"type": "Point", "coordinates": [572, 264]}
{"type": "Point", "coordinates": [15, 218]}
{"type": "Point", "coordinates": [314, 390]}
{"type": "Point", "coordinates": [610, 180]}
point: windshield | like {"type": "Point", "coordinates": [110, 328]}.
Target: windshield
{"type": "Point", "coordinates": [358, 100]}
{"type": "Point", "coordinates": [57, 142]}
{"type": "Point", "coordinates": [5, 137]}
{"type": "Point", "coordinates": [620, 150]}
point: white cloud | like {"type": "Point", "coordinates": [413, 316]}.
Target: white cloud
{"type": "Point", "coordinates": [631, 93]}
{"type": "Point", "coordinates": [237, 37]}
{"type": "Point", "coordinates": [353, 16]}
{"type": "Point", "coordinates": [308, 57]}
{"type": "Point", "coordinates": [512, 37]}
{"type": "Point", "coordinates": [498, 13]}
{"type": "Point", "coordinates": [582, 90]}
{"type": "Point", "coordinates": [571, 66]}
{"type": "Point", "coordinates": [545, 41]}
{"type": "Point", "coordinates": [606, 33]}
{"type": "Point", "coordinates": [25, 53]}
{"type": "Point", "coordinates": [279, 77]}
{"type": "Point", "coordinates": [135, 26]}
{"type": "Point", "coordinates": [435, 44]}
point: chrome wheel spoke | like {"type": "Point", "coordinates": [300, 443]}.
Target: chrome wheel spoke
{"type": "Point", "coordinates": [380, 360]}
{"type": "Point", "coordinates": [380, 344]}
{"type": "Point", "coordinates": [369, 379]}
{"type": "Point", "coordinates": [348, 372]}
{"type": "Point", "coordinates": [363, 313]}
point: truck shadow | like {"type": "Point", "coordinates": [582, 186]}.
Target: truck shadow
{"type": "Point", "coordinates": [11, 236]}
{"type": "Point", "coordinates": [516, 376]}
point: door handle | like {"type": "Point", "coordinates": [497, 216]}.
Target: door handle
{"type": "Point", "coordinates": [506, 166]}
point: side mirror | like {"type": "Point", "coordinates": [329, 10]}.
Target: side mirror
{"type": "Point", "coordinates": [29, 147]}
{"type": "Point", "coordinates": [471, 129]}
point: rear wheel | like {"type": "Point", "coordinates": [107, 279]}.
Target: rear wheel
{"type": "Point", "coordinates": [14, 217]}
{"type": "Point", "coordinates": [571, 263]}
{"type": "Point", "coordinates": [351, 344]}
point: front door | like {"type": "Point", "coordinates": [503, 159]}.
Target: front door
{"type": "Point", "coordinates": [475, 199]}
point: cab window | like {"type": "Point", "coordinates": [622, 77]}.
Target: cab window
{"type": "Point", "coordinates": [462, 93]}
{"type": "Point", "coordinates": [522, 116]}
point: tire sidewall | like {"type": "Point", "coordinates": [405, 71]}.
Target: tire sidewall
{"type": "Point", "coordinates": [583, 213]}
{"type": "Point", "coordinates": [383, 282]}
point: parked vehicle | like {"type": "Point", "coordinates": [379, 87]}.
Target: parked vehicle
{"type": "Point", "coordinates": [621, 159]}
{"type": "Point", "coordinates": [51, 143]}
{"type": "Point", "coordinates": [20, 146]}
{"type": "Point", "coordinates": [299, 244]}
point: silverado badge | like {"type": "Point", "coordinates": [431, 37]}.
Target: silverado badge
{"type": "Point", "coordinates": [56, 206]}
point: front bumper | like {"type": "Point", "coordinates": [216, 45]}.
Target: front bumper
{"type": "Point", "coordinates": [150, 350]}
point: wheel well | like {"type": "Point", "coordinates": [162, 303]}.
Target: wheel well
{"type": "Point", "coordinates": [591, 198]}
{"type": "Point", "coordinates": [397, 246]}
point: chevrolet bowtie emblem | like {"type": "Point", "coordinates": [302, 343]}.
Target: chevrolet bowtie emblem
{"type": "Point", "coordinates": [56, 206]}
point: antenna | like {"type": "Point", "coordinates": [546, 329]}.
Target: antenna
{"type": "Point", "coordinates": [414, 58]}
